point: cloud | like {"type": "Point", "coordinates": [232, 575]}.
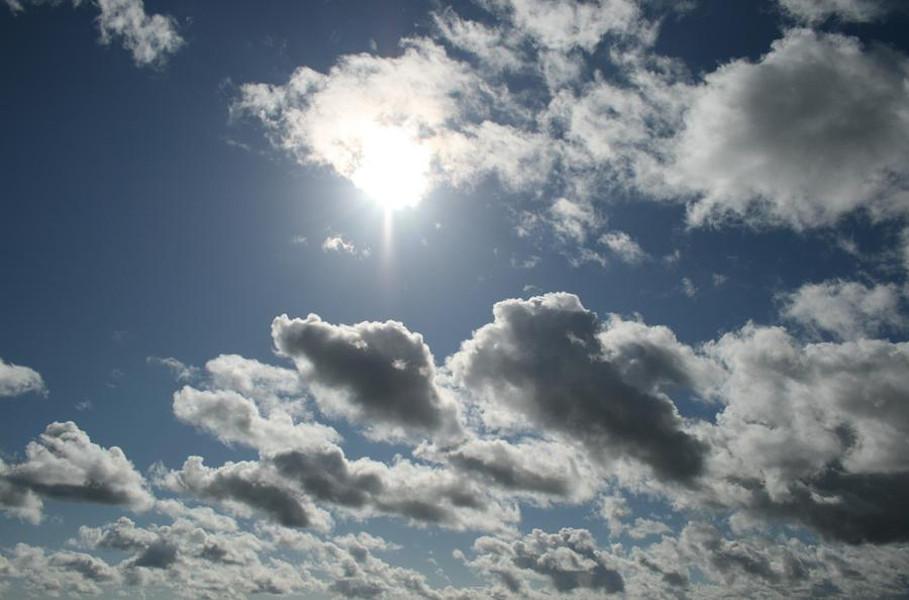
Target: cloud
{"type": "Point", "coordinates": [337, 243]}
{"type": "Point", "coordinates": [833, 143]}
{"type": "Point", "coordinates": [242, 487]}
{"type": "Point", "coordinates": [377, 374]}
{"type": "Point", "coordinates": [845, 309]}
{"type": "Point", "coordinates": [817, 11]}
{"type": "Point", "coordinates": [283, 487]}
{"type": "Point", "coordinates": [16, 380]}
{"type": "Point", "coordinates": [568, 560]}
{"type": "Point", "coordinates": [193, 560]}
{"type": "Point", "coordinates": [622, 246]}
{"type": "Point", "coordinates": [233, 418]}
{"type": "Point", "coordinates": [541, 362]}
{"type": "Point", "coordinates": [816, 433]}
{"type": "Point", "coordinates": [180, 371]}
{"type": "Point", "coordinates": [533, 467]}
{"type": "Point", "coordinates": [151, 39]}
{"type": "Point", "coordinates": [64, 464]}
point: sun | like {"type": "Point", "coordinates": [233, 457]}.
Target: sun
{"type": "Point", "coordinates": [393, 168]}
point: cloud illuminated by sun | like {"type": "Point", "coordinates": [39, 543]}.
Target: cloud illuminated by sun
{"type": "Point", "coordinates": [392, 167]}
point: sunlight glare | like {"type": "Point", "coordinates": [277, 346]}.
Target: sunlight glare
{"type": "Point", "coordinates": [393, 168]}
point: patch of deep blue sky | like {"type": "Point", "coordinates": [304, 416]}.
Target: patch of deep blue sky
{"type": "Point", "coordinates": [137, 220]}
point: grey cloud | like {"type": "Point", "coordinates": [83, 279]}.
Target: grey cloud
{"type": "Point", "coordinates": [540, 468]}
{"type": "Point", "coordinates": [419, 493]}
{"type": "Point", "coordinates": [246, 483]}
{"type": "Point", "coordinates": [191, 560]}
{"type": "Point", "coordinates": [327, 477]}
{"type": "Point", "coordinates": [370, 372]}
{"type": "Point", "coordinates": [16, 380]}
{"type": "Point", "coordinates": [542, 359]}
{"type": "Point", "coordinates": [570, 560]}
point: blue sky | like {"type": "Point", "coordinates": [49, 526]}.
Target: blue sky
{"type": "Point", "coordinates": [499, 298]}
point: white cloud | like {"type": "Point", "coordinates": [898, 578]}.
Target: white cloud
{"type": "Point", "coordinates": [622, 246]}
{"type": "Point", "coordinates": [16, 380]}
{"type": "Point", "coordinates": [836, 141]}
{"type": "Point", "coordinates": [65, 464]}
{"type": "Point", "coordinates": [816, 11]}
{"type": "Point", "coordinates": [337, 243]}
{"type": "Point", "coordinates": [180, 371]}
{"type": "Point", "coordinates": [846, 309]}
{"type": "Point", "coordinates": [688, 287]}
{"type": "Point", "coordinates": [151, 39]}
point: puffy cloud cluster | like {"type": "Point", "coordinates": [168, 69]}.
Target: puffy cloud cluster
{"type": "Point", "coordinates": [64, 464]}
{"type": "Point", "coordinates": [16, 380]}
{"type": "Point", "coordinates": [253, 404]}
{"type": "Point", "coordinates": [151, 39]}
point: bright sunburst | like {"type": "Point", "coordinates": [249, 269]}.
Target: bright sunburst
{"type": "Point", "coordinates": [393, 168]}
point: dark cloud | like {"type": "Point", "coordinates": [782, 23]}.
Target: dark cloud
{"type": "Point", "coordinates": [542, 359]}
{"type": "Point", "coordinates": [246, 483]}
{"type": "Point", "coordinates": [326, 476]}
{"type": "Point", "coordinates": [518, 468]}
{"type": "Point", "coordinates": [377, 373]}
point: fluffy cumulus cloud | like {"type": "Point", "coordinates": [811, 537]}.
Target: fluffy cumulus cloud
{"type": "Point", "coordinates": [150, 38]}
{"type": "Point", "coordinates": [846, 309]}
{"type": "Point", "coordinates": [16, 380]}
{"type": "Point", "coordinates": [815, 433]}
{"type": "Point", "coordinates": [541, 363]}
{"type": "Point", "coordinates": [246, 402]}
{"type": "Point", "coordinates": [64, 464]}
{"type": "Point", "coordinates": [378, 374]}
{"type": "Point", "coordinates": [834, 142]}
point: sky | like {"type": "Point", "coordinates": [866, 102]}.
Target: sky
{"type": "Point", "coordinates": [454, 300]}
